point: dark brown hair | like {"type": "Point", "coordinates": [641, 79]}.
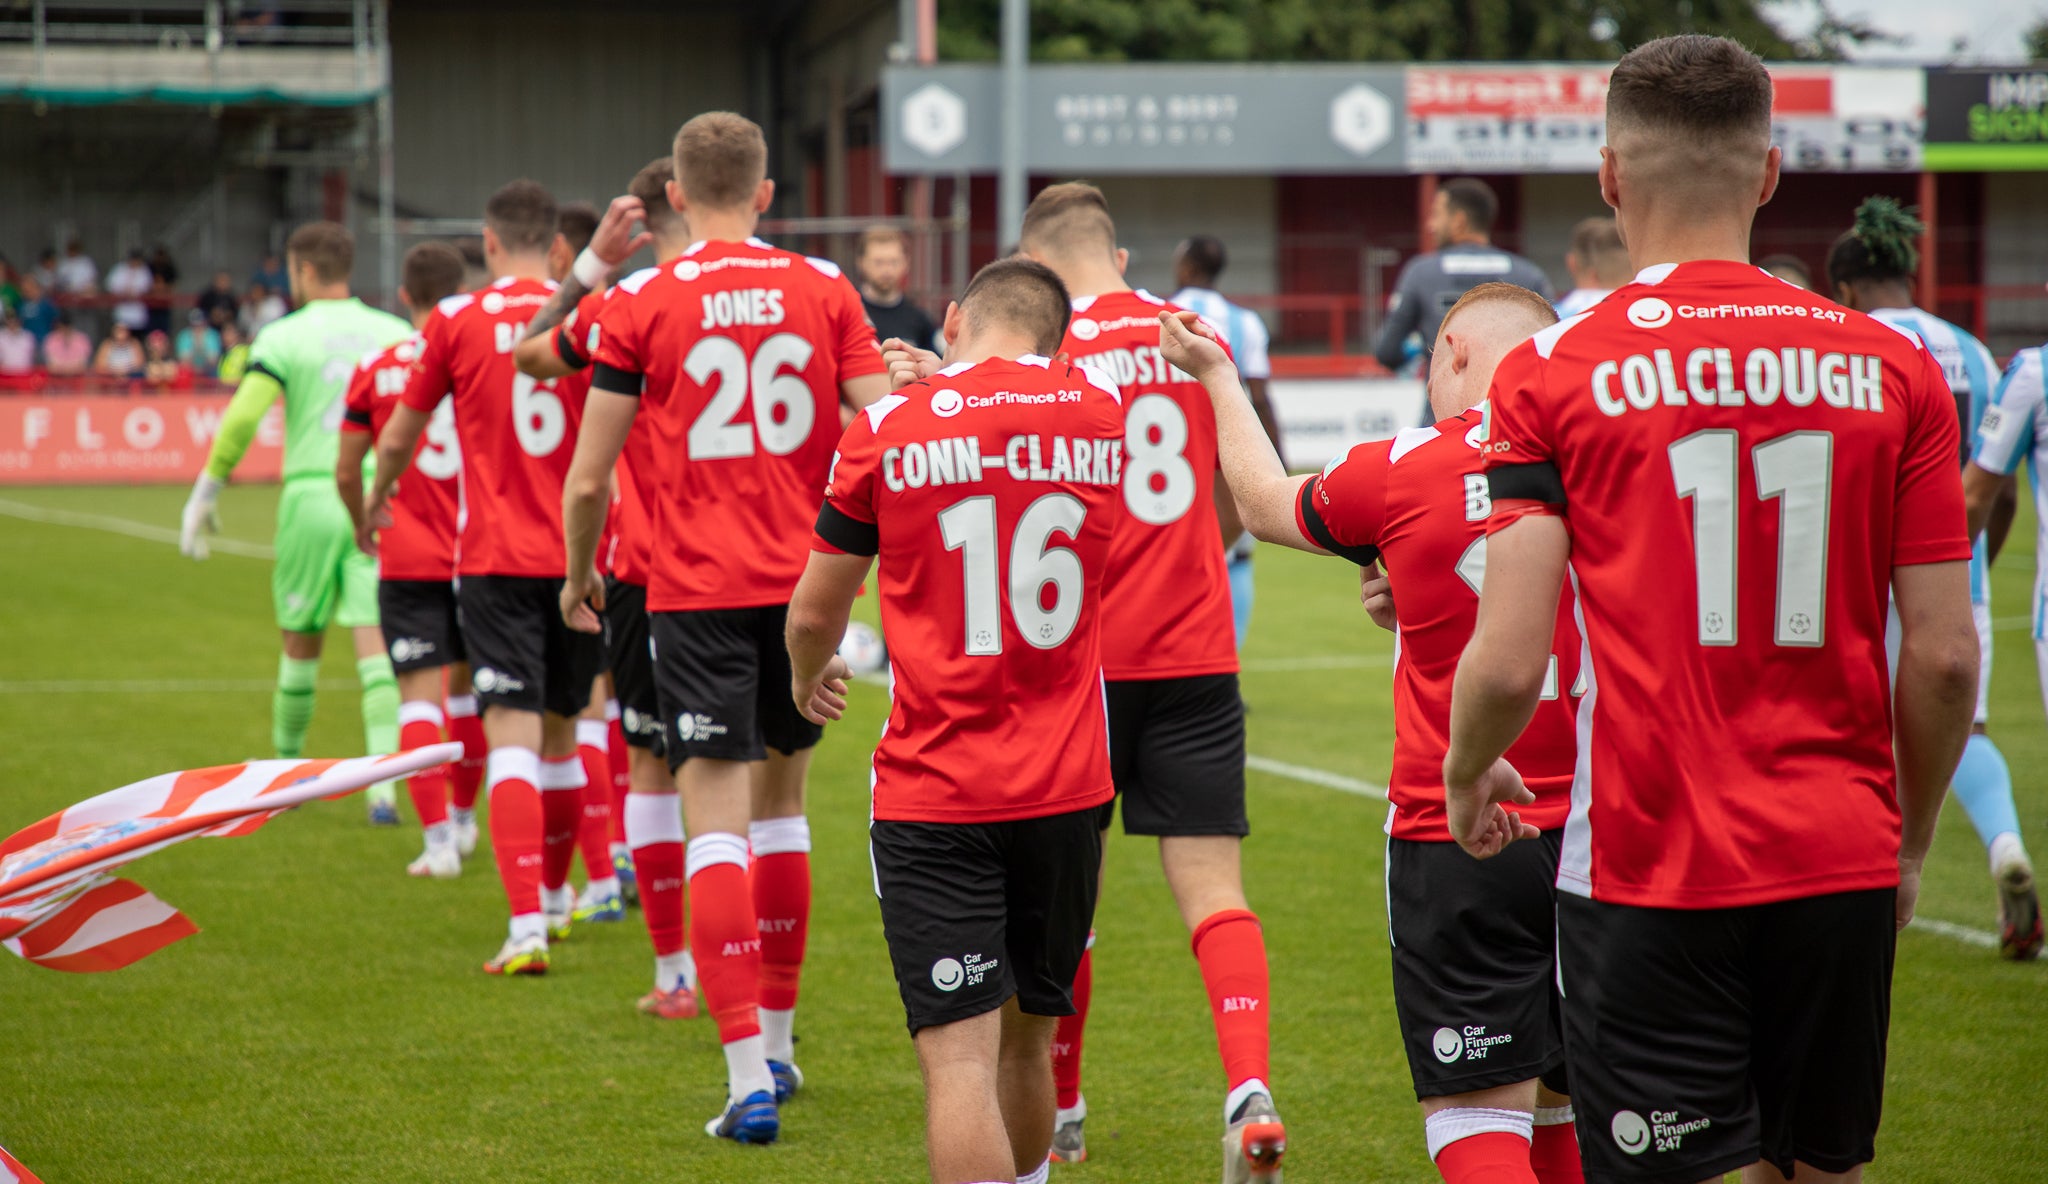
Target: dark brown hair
{"type": "Point", "coordinates": [1064, 217]}
{"type": "Point", "coordinates": [328, 246]}
{"type": "Point", "coordinates": [522, 215]}
{"type": "Point", "coordinates": [1021, 295]}
{"type": "Point", "coordinates": [576, 222]}
{"type": "Point", "coordinates": [721, 159]}
{"type": "Point", "coordinates": [1691, 85]}
{"type": "Point", "coordinates": [650, 185]}
{"type": "Point", "coordinates": [1473, 198]}
{"type": "Point", "coordinates": [432, 272]}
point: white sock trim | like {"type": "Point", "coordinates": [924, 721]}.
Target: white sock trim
{"type": "Point", "coordinates": [593, 733]}
{"type": "Point", "coordinates": [746, 1069]}
{"type": "Point", "coordinates": [1446, 1127]}
{"type": "Point", "coordinates": [512, 764]}
{"type": "Point", "coordinates": [780, 836]}
{"type": "Point", "coordinates": [1237, 1096]}
{"type": "Point", "coordinates": [528, 926]}
{"type": "Point", "coordinates": [653, 818]}
{"type": "Point", "coordinates": [2006, 850]}
{"type": "Point", "coordinates": [611, 713]}
{"type": "Point", "coordinates": [1554, 1115]}
{"type": "Point", "coordinates": [778, 1040]}
{"type": "Point", "coordinates": [1038, 1174]}
{"type": "Point", "coordinates": [461, 706]}
{"type": "Point", "coordinates": [710, 850]}
{"type": "Point", "coordinates": [418, 711]}
{"type": "Point", "coordinates": [562, 773]}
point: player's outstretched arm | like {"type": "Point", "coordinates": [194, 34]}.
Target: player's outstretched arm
{"type": "Point", "coordinates": [1252, 471]}
{"type": "Point", "coordinates": [611, 244]}
{"type": "Point", "coordinates": [1934, 702]}
{"type": "Point", "coordinates": [395, 447]}
{"type": "Point", "coordinates": [857, 393]}
{"type": "Point", "coordinates": [1983, 490]}
{"type": "Point", "coordinates": [238, 424]}
{"type": "Point", "coordinates": [1405, 317]}
{"type": "Point", "coordinates": [586, 494]}
{"type": "Point", "coordinates": [817, 621]}
{"type": "Point", "coordinates": [1500, 679]}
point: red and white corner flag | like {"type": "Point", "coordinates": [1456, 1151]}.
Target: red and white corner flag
{"type": "Point", "coordinates": [60, 908]}
{"type": "Point", "coordinates": [11, 1171]}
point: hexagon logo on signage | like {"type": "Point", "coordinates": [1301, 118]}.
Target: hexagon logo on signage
{"type": "Point", "coordinates": [934, 119]}
{"type": "Point", "coordinates": [1361, 120]}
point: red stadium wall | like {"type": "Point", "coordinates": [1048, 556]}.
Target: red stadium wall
{"type": "Point", "coordinates": [102, 439]}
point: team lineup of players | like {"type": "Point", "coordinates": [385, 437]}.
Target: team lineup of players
{"type": "Point", "coordinates": [1642, 567]}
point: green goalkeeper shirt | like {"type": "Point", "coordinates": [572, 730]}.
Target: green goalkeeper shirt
{"type": "Point", "coordinates": [307, 356]}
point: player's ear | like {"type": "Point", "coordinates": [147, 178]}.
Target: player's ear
{"type": "Point", "coordinates": [1774, 160]}
{"type": "Point", "coordinates": [1610, 187]}
{"type": "Point", "coordinates": [954, 324]}
{"type": "Point", "coordinates": [492, 245]}
{"type": "Point", "coordinates": [1123, 260]}
{"type": "Point", "coordinates": [674, 189]}
{"type": "Point", "coordinates": [764, 196]}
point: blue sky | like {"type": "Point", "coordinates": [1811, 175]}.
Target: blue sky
{"type": "Point", "coordinates": [1992, 28]}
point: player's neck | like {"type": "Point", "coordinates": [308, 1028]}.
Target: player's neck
{"type": "Point", "coordinates": [520, 267]}
{"type": "Point", "coordinates": [668, 250]}
{"type": "Point", "coordinates": [1092, 279]}
{"type": "Point", "coordinates": [982, 347]}
{"type": "Point", "coordinates": [1883, 296]}
{"type": "Point", "coordinates": [1468, 239]}
{"type": "Point", "coordinates": [326, 292]}
{"type": "Point", "coordinates": [1682, 236]}
{"type": "Point", "coordinates": [879, 296]}
{"type": "Point", "coordinates": [723, 226]}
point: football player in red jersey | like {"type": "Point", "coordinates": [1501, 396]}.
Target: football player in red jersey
{"type": "Point", "coordinates": [1473, 943]}
{"type": "Point", "coordinates": [416, 555]}
{"type": "Point", "coordinates": [1176, 719]}
{"type": "Point", "coordinates": [741, 355]}
{"type": "Point", "coordinates": [532, 672]}
{"type": "Point", "coordinates": [653, 812]}
{"type": "Point", "coordinates": [1754, 795]}
{"type": "Point", "coordinates": [989, 493]}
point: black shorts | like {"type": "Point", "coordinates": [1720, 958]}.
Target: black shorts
{"type": "Point", "coordinates": [631, 664]}
{"type": "Point", "coordinates": [975, 913]}
{"type": "Point", "coordinates": [721, 677]}
{"type": "Point", "coordinates": [1475, 963]}
{"type": "Point", "coordinates": [521, 655]}
{"type": "Point", "coordinates": [1703, 1040]}
{"type": "Point", "coordinates": [421, 629]}
{"type": "Point", "coordinates": [1176, 752]}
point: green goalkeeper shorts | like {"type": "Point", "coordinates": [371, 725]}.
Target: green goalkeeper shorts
{"type": "Point", "coordinates": [320, 578]}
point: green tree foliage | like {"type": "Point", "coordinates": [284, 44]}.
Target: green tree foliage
{"type": "Point", "coordinates": [1380, 30]}
{"type": "Point", "coordinates": [2036, 40]}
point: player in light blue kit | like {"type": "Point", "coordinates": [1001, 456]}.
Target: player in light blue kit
{"type": "Point", "coordinates": [1871, 270]}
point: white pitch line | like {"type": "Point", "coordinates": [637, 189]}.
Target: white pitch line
{"type": "Point", "coordinates": [1962, 933]}
{"type": "Point", "coordinates": [1312, 776]}
{"type": "Point", "coordinates": [154, 686]}
{"type": "Point", "coordinates": [128, 527]}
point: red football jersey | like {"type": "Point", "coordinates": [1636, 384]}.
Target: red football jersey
{"type": "Point", "coordinates": [517, 435]}
{"type": "Point", "coordinates": [426, 505]}
{"type": "Point", "coordinates": [1169, 595]}
{"type": "Point", "coordinates": [990, 494]}
{"type": "Point", "coordinates": [1741, 464]}
{"type": "Point", "coordinates": [738, 351]}
{"type": "Point", "coordinates": [1419, 503]}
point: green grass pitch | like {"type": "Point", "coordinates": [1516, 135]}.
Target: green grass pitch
{"type": "Point", "coordinates": [331, 1022]}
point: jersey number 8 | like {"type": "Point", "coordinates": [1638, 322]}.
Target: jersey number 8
{"type": "Point", "coordinates": [1159, 483]}
{"type": "Point", "coordinates": [717, 434]}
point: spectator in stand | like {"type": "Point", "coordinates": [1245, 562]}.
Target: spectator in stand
{"type": "Point", "coordinates": [10, 285]}
{"type": "Point", "coordinates": [271, 274]}
{"type": "Point", "coordinates": [77, 275]}
{"type": "Point", "coordinates": [261, 306]}
{"type": "Point", "coordinates": [218, 302]}
{"type": "Point", "coordinates": [17, 346]}
{"type": "Point", "coordinates": [46, 270]}
{"type": "Point", "coordinates": [130, 280]}
{"type": "Point", "coordinates": [884, 263]}
{"type": "Point", "coordinates": [66, 351]}
{"type": "Point", "coordinates": [234, 355]}
{"type": "Point", "coordinates": [198, 345]}
{"type": "Point", "coordinates": [163, 266]}
{"type": "Point", "coordinates": [1790, 268]}
{"type": "Point", "coordinates": [120, 355]}
{"type": "Point", "coordinates": [163, 301]}
{"type": "Point", "coordinates": [38, 311]}
{"type": "Point", "coordinates": [159, 366]}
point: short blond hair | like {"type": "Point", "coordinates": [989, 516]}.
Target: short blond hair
{"type": "Point", "coordinates": [721, 158]}
{"type": "Point", "coordinates": [1067, 219]}
{"type": "Point", "coordinates": [1521, 298]}
{"type": "Point", "coordinates": [875, 236]}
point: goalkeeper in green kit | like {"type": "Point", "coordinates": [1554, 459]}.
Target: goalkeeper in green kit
{"type": "Point", "coordinates": [320, 577]}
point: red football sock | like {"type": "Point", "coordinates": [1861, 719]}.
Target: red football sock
{"type": "Point", "coordinates": [516, 825]}
{"type": "Point", "coordinates": [724, 939]}
{"type": "Point", "coordinates": [1066, 1038]}
{"type": "Point", "coordinates": [655, 823]}
{"type": "Point", "coordinates": [466, 728]}
{"type": "Point", "coordinates": [561, 809]}
{"type": "Point", "coordinates": [419, 725]}
{"type": "Point", "coordinates": [1232, 952]}
{"type": "Point", "coordinates": [782, 904]}
{"type": "Point", "coordinates": [621, 765]}
{"type": "Point", "coordinates": [1554, 1154]}
{"type": "Point", "coordinates": [594, 829]}
{"type": "Point", "coordinates": [1492, 1158]}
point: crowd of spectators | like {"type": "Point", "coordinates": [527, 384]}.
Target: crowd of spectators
{"type": "Point", "coordinates": [62, 323]}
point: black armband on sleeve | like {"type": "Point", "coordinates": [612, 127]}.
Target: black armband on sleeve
{"type": "Point", "coordinates": [1537, 481]}
{"type": "Point", "coordinates": [566, 350]}
{"type": "Point", "coordinates": [615, 380]}
{"type": "Point", "coordinates": [847, 533]}
{"type": "Point", "coordinates": [1319, 531]}
{"type": "Point", "coordinates": [359, 418]}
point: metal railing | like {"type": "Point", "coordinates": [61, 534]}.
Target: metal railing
{"type": "Point", "coordinates": [181, 24]}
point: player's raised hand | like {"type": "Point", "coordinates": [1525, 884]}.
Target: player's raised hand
{"type": "Point", "coordinates": [614, 241]}
{"type": "Point", "coordinates": [1478, 813]}
{"type": "Point", "coordinates": [1376, 593]}
{"type": "Point", "coordinates": [824, 700]}
{"type": "Point", "coordinates": [1189, 343]}
{"type": "Point", "coordinates": [200, 518]}
{"type": "Point", "coordinates": [582, 600]}
{"type": "Point", "coordinates": [907, 363]}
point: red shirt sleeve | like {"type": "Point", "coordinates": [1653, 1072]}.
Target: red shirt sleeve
{"type": "Point", "coordinates": [1928, 523]}
{"type": "Point", "coordinates": [858, 352]}
{"type": "Point", "coordinates": [430, 380]}
{"type": "Point", "coordinates": [1520, 456]}
{"type": "Point", "coordinates": [577, 335]}
{"type": "Point", "coordinates": [846, 522]}
{"type": "Point", "coordinates": [613, 342]}
{"type": "Point", "coordinates": [355, 405]}
{"type": "Point", "coordinates": [1343, 508]}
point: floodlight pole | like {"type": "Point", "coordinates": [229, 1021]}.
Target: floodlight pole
{"type": "Point", "coordinates": [387, 169]}
{"type": "Point", "coordinates": [1010, 179]}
